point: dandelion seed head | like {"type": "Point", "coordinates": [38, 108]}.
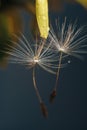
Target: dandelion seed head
{"type": "Point", "coordinates": [30, 54]}
{"type": "Point", "coordinates": [69, 40]}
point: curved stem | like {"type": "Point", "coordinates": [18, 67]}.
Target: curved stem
{"type": "Point", "coordinates": [35, 86]}
{"type": "Point", "coordinates": [58, 71]}
{"type": "Point", "coordinates": [42, 105]}
{"type": "Point", "coordinates": [53, 94]}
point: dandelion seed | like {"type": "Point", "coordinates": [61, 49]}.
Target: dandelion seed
{"type": "Point", "coordinates": [68, 41]}
{"type": "Point", "coordinates": [44, 109]}
{"type": "Point", "coordinates": [33, 54]}
{"type": "Point", "coordinates": [52, 96]}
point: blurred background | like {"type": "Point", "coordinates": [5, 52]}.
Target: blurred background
{"type": "Point", "coordinates": [19, 107]}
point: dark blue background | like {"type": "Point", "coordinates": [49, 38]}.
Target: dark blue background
{"type": "Point", "coordinates": [19, 107]}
